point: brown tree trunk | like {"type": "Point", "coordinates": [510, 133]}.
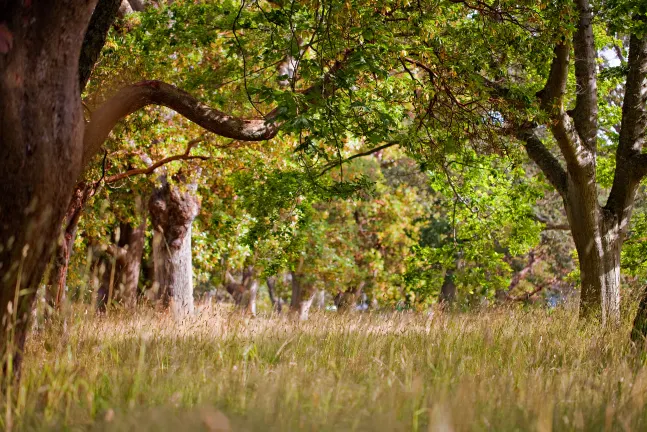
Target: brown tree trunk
{"type": "Point", "coordinates": [41, 143]}
{"type": "Point", "coordinates": [302, 296]}
{"type": "Point", "coordinates": [173, 211]}
{"type": "Point", "coordinates": [447, 295]}
{"type": "Point", "coordinates": [639, 330]}
{"type": "Point", "coordinates": [277, 303]}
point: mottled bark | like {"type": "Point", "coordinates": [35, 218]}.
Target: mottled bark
{"type": "Point", "coordinates": [173, 209]}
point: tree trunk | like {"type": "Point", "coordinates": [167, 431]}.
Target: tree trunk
{"type": "Point", "coordinates": [173, 211]}
{"type": "Point", "coordinates": [41, 144]}
{"type": "Point", "coordinates": [598, 241]}
{"type": "Point", "coordinates": [277, 303]}
{"type": "Point", "coordinates": [302, 296]}
{"type": "Point", "coordinates": [130, 266]}
{"type": "Point", "coordinates": [639, 330]}
{"type": "Point", "coordinates": [253, 291]}
{"type": "Point", "coordinates": [448, 290]}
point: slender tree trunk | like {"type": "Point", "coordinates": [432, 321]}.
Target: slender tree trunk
{"type": "Point", "coordinates": [41, 143]}
{"type": "Point", "coordinates": [277, 303]}
{"type": "Point", "coordinates": [173, 211]}
{"type": "Point", "coordinates": [448, 290]}
{"type": "Point", "coordinates": [639, 330]}
{"type": "Point", "coordinates": [253, 291]}
{"type": "Point", "coordinates": [131, 265]}
{"type": "Point", "coordinates": [302, 297]}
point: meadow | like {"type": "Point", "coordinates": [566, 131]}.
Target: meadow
{"type": "Point", "coordinates": [504, 369]}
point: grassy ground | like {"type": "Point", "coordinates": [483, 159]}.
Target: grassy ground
{"type": "Point", "coordinates": [501, 370]}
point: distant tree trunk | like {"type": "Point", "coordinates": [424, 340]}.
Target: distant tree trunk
{"type": "Point", "coordinates": [253, 291]}
{"type": "Point", "coordinates": [639, 330]}
{"type": "Point", "coordinates": [130, 266]}
{"type": "Point", "coordinates": [347, 300]}
{"type": "Point", "coordinates": [302, 297]}
{"type": "Point", "coordinates": [448, 290]}
{"type": "Point", "coordinates": [172, 212]}
{"type": "Point", "coordinates": [320, 299]}
{"type": "Point", "coordinates": [277, 303]}
{"type": "Point", "coordinates": [56, 287]}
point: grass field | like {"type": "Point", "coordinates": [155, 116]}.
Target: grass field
{"type": "Point", "coordinates": [500, 370]}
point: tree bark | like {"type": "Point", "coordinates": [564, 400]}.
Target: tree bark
{"type": "Point", "coordinates": [277, 302]}
{"type": "Point", "coordinates": [302, 297]}
{"type": "Point", "coordinates": [447, 295]}
{"type": "Point", "coordinates": [41, 136]}
{"type": "Point", "coordinates": [173, 211]}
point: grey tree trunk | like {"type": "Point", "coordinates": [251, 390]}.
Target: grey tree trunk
{"type": "Point", "coordinates": [598, 240]}
{"type": "Point", "coordinates": [172, 212]}
{"type": "Point", "coordinates": [277, 302]}
{"type": "Point", "coordinates": [253, 292]}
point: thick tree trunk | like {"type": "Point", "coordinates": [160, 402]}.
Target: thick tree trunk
{"type": "Point", "coordinates": [598, 241]}
{"type": "Point", "coordinates": [41, 143]}
{"type": "Point", "coordinates": [173, 211]}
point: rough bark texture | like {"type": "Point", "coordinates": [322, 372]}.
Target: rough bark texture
{"type": "Point", "coordinates": [173, 209]}
{"type": "Point", "coordinates": [41, 138]}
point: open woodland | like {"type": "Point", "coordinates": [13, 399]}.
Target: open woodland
{"type": "Point", "coordinates": [233, 215]}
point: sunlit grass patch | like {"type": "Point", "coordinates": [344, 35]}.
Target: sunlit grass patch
{"type": "Point", "coordinates": [495, 370]}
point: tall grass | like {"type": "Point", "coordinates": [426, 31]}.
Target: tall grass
{"type": "Point", "coordinates": [498, 370]}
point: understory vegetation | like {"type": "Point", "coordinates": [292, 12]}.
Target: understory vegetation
{"type": "Point", "coordinates": [504, 369]}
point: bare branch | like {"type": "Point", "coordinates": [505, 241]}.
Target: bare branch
{"type": "Point", "coordinates": [150, 169]}
{"type": "Point", "coordinates": [355, 156]}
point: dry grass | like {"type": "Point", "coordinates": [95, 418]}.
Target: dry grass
{"type": "Point", "coordinates": [499, 370]}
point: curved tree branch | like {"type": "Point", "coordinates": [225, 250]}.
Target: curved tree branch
{"type": "Point", "coordinates": [152, 167]}
{"type": "Point", "coordinates": [134, 97]}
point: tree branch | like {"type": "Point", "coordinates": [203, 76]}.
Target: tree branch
{"type": "Point", "coordinates": [585, 114]}
{"type": "Point", "coordinates": [545, 160]}
{"type": "Point", "coordinates": [631, 163]}
{"type": "Point", "coordinates": [137, 96]}
{"type": "Point", "coordinates": [95, 37]}
{"type": "Point", "coordinates": [357, 155]}
{"type": "Point", "coordinates": [150, 169]}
